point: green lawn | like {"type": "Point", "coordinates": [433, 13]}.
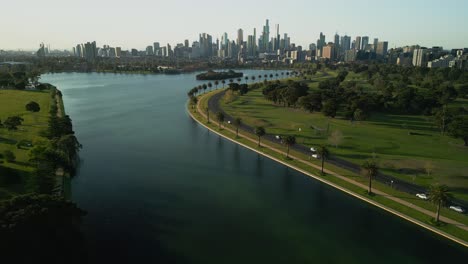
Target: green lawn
{"type": "Point", "coordinates": [384, 136]}
{"type": "Point", "coordinates": [12, 102]}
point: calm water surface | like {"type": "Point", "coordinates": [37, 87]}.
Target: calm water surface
{"type": "Point", "coordinates": [159, 188]}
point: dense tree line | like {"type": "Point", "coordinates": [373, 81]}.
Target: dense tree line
{"type": "Point", "coordinates": [387, 89]}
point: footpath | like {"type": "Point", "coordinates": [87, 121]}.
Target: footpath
{"type": "Point", "coordinates": [252, 138]}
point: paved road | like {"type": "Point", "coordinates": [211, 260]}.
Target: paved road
{"type": "Point", "coordinates": [213, 105]}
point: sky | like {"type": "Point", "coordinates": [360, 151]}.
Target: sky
{"type": "Point", "coordinates": [139, 23]}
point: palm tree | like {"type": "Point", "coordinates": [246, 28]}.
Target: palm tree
{"type": "Point", "coordinates": [220, 118]}
{"type": "Point", "coordinates": [210, 85]}
{"type": "Point", "coordinates": [204, 86]}
{"type": "Point", "coordinates": [370, 170]}
{"type": "Point", "coordinates": [277, 76]}
{"type": "Point", "coordinates": [289, 141]}
{"type": "Point", "coordinates": [266, 76]}
{"type": "Point", "coordinates": [324, 153]}
{"type": "Point", "coordinates": [237, 123]}
{"type": "Point", "coordinates": [193, 101]}
{"type": "Point", "coordinates": [216, 84]}
{"type": "Point", "coordinates": [439, 195]}
{"type": "Point", "coordinates": [260, 132]}
{"type": "Point", "coordinates": [253, 78]}
{"type": "Point", "coordinates": [223, 82]}
{"type": "Point", "coordinates": [246, 79]}
{"type": "Point", "coordinates": [259, 76]}
{"type": "Point", "coordinates": [271, 76]}
{"type": "Point", "coordinates": [239, 80]}
{"type": "Point", "coordinates": [231, 80]}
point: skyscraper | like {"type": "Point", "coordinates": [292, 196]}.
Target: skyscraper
{"type": "Point", "coordinates": [156, 49]}
{"type": "Point", "coordinates": [382, 48]}
{"type": "Point", "coordinates": [357, 44]}
{"type": "Point", "coordinates": [266, 37]}
{"type": "Point", "coordinates": [365, 42]}
{"type": "Point", "coordinates": [345, 42]}
{"type": "Point", "coordinates": [321, 42]}
{"type": "Point", "coordinates": [376, 41]}
{"type": "Point", "coordinates": [337, 40]}
{"type": "Point", "coordinates": [240, 37]}
{"type": "Point", "coordinates": [206, 45]}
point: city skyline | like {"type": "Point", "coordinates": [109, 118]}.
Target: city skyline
{"type": "Point", "coordinates": [111, 28]}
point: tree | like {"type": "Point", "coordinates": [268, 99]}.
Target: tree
{"type": "Point", "coordinates": [246, 79]}
{"type": "Point", "coordinates": [193, 101]}
{"type": "Point", "coordinates": [324, 154]}
{"type": "Point", "coordinates": [237, 123]}
{"type": "Point", "coordinates": [370, 170]}
{"type": "Point", "coordinates": [204, 86]}
{"type": "Point", "coordinates": [429, 167]}
{"type": "Point", "coordinates": [9, 156]}
{"type": "Point", "coordinates": [220, 118]}
{"type": "Point", "coordinates": [336, 138]}
{"type": "Point", "coordinates": [439, 195]}
{"type": "Point", "coordinates": [260, 132]}
{"type": "Point", "coordinates": [33, 107]}
{"type": "Point", "coordinates": [210, 85]}
{"type": "Point", "coordinates": [289, 141]}
{"type": "Point", "coordinates": [216, 84]}
{"type": "Point", "coordinates": [12, 122]}
{"type": "Point", "coordinates": [330, 107]}
{"type": "Point", "coordinates": [223, 82]}
{"type": "Point", "coordinates": [458, 128]}
{"type": "Point", "coordinates": [46, 227]}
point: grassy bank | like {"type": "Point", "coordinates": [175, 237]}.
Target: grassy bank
{"type": "Point", "coordinates": [15, 176]}
{"type": "Point", "coordinates": [408, 147]}
{"type": "Point", "coordinates": [357, 191]}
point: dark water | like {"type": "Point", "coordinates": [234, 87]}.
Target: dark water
{"type": "Point", "coordinates": [161, 189]}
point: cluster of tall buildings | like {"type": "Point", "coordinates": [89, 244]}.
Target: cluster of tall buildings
{"type": "Point", "coordinates": [270, 45]}
{"type": "Point", "coordinates": [343, 49]}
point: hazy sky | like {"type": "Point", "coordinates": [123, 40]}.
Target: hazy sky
{"type": "Point", "coordinates": [138, 23]}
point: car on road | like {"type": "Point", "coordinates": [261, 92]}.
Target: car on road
{"type": "Point", "coordinates": [278, 137]}
{"type": "Point", "coordinates": [316, 156]}
{"type": "Point", "coordinates": [457, 208]}
{"type": "Point", "coordinates": [313, 149]}
{"type": "Point", "coordinates": [422, 196]}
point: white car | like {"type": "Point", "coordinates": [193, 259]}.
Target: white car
{"type": "Point", "coordinates": [229, 122]}
{"type": "Point", "coordinates": [457, 208]}
{"type": "Point", "coordinates": [422, 196]}
{"type": "Point", "coordinates": [313, 149]}
{"type": "Point", "coordinates": [278, 137]}
{"type": "Point", "coordinates": [316, 156]}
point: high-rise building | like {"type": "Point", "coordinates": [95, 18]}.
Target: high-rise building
{"type": "Point", "coordinates": [206, 45]}
{"type": "Point", "coordinates": [365, 42]}
{"type": "Point", "coordinates": [118, 52]}
{"type": "Point", "coordinates": [321, 42]}
{"type": "Point", "coordinates": [149, 51]}
{"type": "Point", "coordinates": [376, 42]}
{"type": "Point", "coordinates": [90, 51]}
{"type": "Point", "coordinates": [240, 37]}
{"type": "Point", "coordinates": [337, 40]}
{"type": "Point", "coordinates": [382, 48]}
{"type": "Point", "coordinates": [420, 57]}
{"type": "Point", "coordinates": [266, 37]}
{"type": "Point", "coordinates": [186, 43]}
{"type": "Point", "coordinates": [345, 42]}
{"type": "Point", "coordinates": [357, 44]}
{"type": "Point", "coordinates": [328, 52]}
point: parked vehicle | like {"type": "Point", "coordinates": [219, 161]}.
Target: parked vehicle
{"type": "Point", "coordinates": [457, 208]}
{"type": "Point", "coordinates": [422, 196]}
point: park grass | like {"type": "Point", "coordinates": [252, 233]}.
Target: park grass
{"type": "Point", "coordinates": [12, 102]}
{"type": "Point", "coordinates": [385, 201]}
{"type": "Point", "coordinates": [384, 137]}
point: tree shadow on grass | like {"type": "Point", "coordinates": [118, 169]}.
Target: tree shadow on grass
{"type": "Point", "coordinates": [8, 141]}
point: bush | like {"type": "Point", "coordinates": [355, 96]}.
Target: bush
{"type": "Point", "coordinates": [33, 107]}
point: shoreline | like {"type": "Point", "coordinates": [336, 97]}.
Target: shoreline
{"type": "Point", "coordinates": [336, 186]}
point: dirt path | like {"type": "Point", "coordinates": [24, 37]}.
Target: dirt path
{"type": "Point", "coordinates": [254, 139]}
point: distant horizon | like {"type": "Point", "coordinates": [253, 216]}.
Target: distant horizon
{"type": "Point", "coordinates": [425, 23]}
